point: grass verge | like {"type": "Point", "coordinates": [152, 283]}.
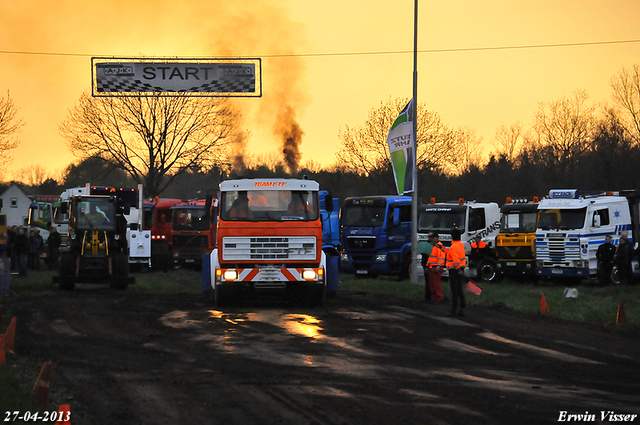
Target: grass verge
{"type": "Point", "coordinates": [594, 304]}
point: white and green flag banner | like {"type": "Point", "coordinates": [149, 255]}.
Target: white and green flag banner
{"type": "Point", "coordinates": [400, 141]}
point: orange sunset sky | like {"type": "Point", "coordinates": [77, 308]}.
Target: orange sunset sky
{"type": "Point", "coordinates": [482, 63]}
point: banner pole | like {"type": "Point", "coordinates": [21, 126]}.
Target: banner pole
{"type": "Point", "coordinates": [414, 198]}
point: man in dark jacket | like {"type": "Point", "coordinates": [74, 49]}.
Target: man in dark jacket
{"type": "Point", "coordinates": [622, 259]}
{"type": "Point", "coordinates": [22, 250]}
{"type": "Point", "coordinates": [53, 243]}
{"type": "Point", "coordinates": [605, 254]}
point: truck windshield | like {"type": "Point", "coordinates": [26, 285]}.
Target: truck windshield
{"type": "Point", "coordinates": [39, 216]}
{"type": "Point", "coordinates": [269, 205]}
{"type": "Point", "coordinates": [189, 219]}
{"type": "Point", "coordinates": [518, 221]}
{"type": "Point", "coordinates": [363, 213]}
{"type": "Point", "coordinates": [564, 219]}
{"type": "Point", "coordinates": [441, 218]}
{"type": "Point", "coordinates": [59, 216]}
{"type": "Point", "coordinates": [96, 214]}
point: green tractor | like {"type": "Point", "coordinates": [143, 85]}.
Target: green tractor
{"type": "Point", "coordinates": [97, 250]}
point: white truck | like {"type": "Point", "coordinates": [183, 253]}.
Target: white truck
{"type": "Point", "coordinates": [472, 219]}
{"type": "Point", "coordinates": [571, 227]}
{"type": "Point", "coordinates": [44, 214]}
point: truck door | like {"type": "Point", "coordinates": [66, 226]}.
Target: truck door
{"type": "Point", "coordinates": [477, 220]}
{"type": "Point", "coordinates": [398, 230]}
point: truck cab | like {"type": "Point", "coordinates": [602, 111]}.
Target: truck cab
{"type": "Point", "coordinates": [473, 219]}
{"type": "Point", "coordinates": [193, 231]}
{"type": "Point", "coordinates": [158, 219]}
{"type": "Point", "coordinates": [515, 241]}
{"type": "Point", "coordinates": [269, 242]}
{"type": "Point", "coordinates": [571, 227]}
{"type": "Point", "coordinates": [376, 235]}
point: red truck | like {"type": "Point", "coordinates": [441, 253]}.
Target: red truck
{"type": "Point", "coordinates": [194, 231]}
{"type": "Point", "coordinates": [158, 217]}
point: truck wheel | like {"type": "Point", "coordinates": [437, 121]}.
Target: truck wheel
{"type": "Point", "coordinates": [317, 296]}
{"type": "Point", "coordinates": [160, 256]}
{"type": "Point", "coordinates": [67, 271]}
{"type": "Point", "coordinates": [120, 270]}
{"type": "Point", "coordinates": [405, 273]}
{"type": "Point", "coordinates": [488, 270]}
{"type": "Point", "coordinates": [615, 275]}
{"type": "Point", "coordinates": [220, 296]}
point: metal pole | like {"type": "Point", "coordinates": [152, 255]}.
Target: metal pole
{"type": "Point", "coordinates": [414, 198]}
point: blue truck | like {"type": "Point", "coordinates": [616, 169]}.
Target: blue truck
{"type": "Point", "coordinates": [376, 235]}
{"type": "Point", "coordinates": [330, 214]}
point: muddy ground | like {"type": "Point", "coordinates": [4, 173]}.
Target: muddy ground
{"type": "Point", "coordinates": [130, 358]}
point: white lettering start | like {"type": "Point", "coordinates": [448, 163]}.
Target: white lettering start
{"type": "Point", "coordinates": [605, 416]}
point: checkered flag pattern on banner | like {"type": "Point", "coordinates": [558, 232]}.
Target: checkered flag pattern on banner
{"type": "Point", "coordinates": [125, 85]}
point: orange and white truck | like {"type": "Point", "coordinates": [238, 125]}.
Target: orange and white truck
{"type": "Point", "coordinates": [269, 242]}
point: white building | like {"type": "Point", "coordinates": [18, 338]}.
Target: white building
{"type": "Point", "coordinates": [15, 204]}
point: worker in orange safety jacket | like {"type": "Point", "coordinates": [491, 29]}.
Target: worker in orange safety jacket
{"type": "Point", "coordinates": [478, 253]}
{"type": "Point", "coordinates": [456, 260]}
{"type": "Point", "coordinates": [435, 264]}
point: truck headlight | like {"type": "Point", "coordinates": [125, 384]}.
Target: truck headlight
{"type": "Point", "coordinates": [309, 275]}
{"type": "Point", "coordinates": [344, 257]}
{"type": "Point", "coordinates": [539, 263]}
{"type": "Point", "coordinates": [230, 275]}
{"type": "Point", "coordinates": [381, 258]}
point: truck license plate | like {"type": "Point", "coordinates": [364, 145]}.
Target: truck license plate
{"type": "Point", "coordinates": [556, 271]}
{"type": "Point", "coordinates": [189, 260]}
{"type": "Point", "coordinates": [511, 263]}
{"type": "Point", "coordinates": [362, 272]}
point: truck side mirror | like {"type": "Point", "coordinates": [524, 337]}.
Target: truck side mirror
{"type": "Point", "coordinates": [328, 203]}
{"type": "Point", "coordinates": [207, 207]}
{"type": "Point", "coordinates": [596, 220]}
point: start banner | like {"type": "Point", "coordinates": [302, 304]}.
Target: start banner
{"type": "Point", "coordinates": [196, 77]}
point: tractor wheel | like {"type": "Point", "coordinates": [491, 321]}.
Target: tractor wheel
{"type": "Point", "coordinates": [67, 271]}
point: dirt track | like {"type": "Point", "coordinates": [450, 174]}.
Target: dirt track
{"type": "Point", "coordinates": [362, 359]}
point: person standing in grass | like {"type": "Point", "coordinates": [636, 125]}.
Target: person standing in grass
{"type": "Point", "coordinates": [605, 254]}
{"type": "Point", "coordinates": [622, 259]}
{"type": "Point", "coordinates": [436, 265]}
{"type": "Point", "coordinates": [456, 260]}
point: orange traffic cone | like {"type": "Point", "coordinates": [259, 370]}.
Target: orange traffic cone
{"type": "Point", "coordinates": [544, 308]}
{"type": "Point", "coordinates": [621, 318]}
{"type": "Point", "coordinates": [10, 336]}
{"type": "Point", "coordinates": [64, 415]}
{"type": "Point", "coordinates": [40, 391]}
{"type": "Point", "coordinates": [3, 356]}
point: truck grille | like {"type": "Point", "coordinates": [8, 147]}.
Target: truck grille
{"type": "Point", "coordinates": [558, 250]}
{"type": "Point", "coordinates": [269, 248]}
{"type": "Point", "coordinates": [355, 242]}
{"type": "Point", "coordinates": [190, 241]}
{"type": "Point", "coordinates": [515, 252]}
